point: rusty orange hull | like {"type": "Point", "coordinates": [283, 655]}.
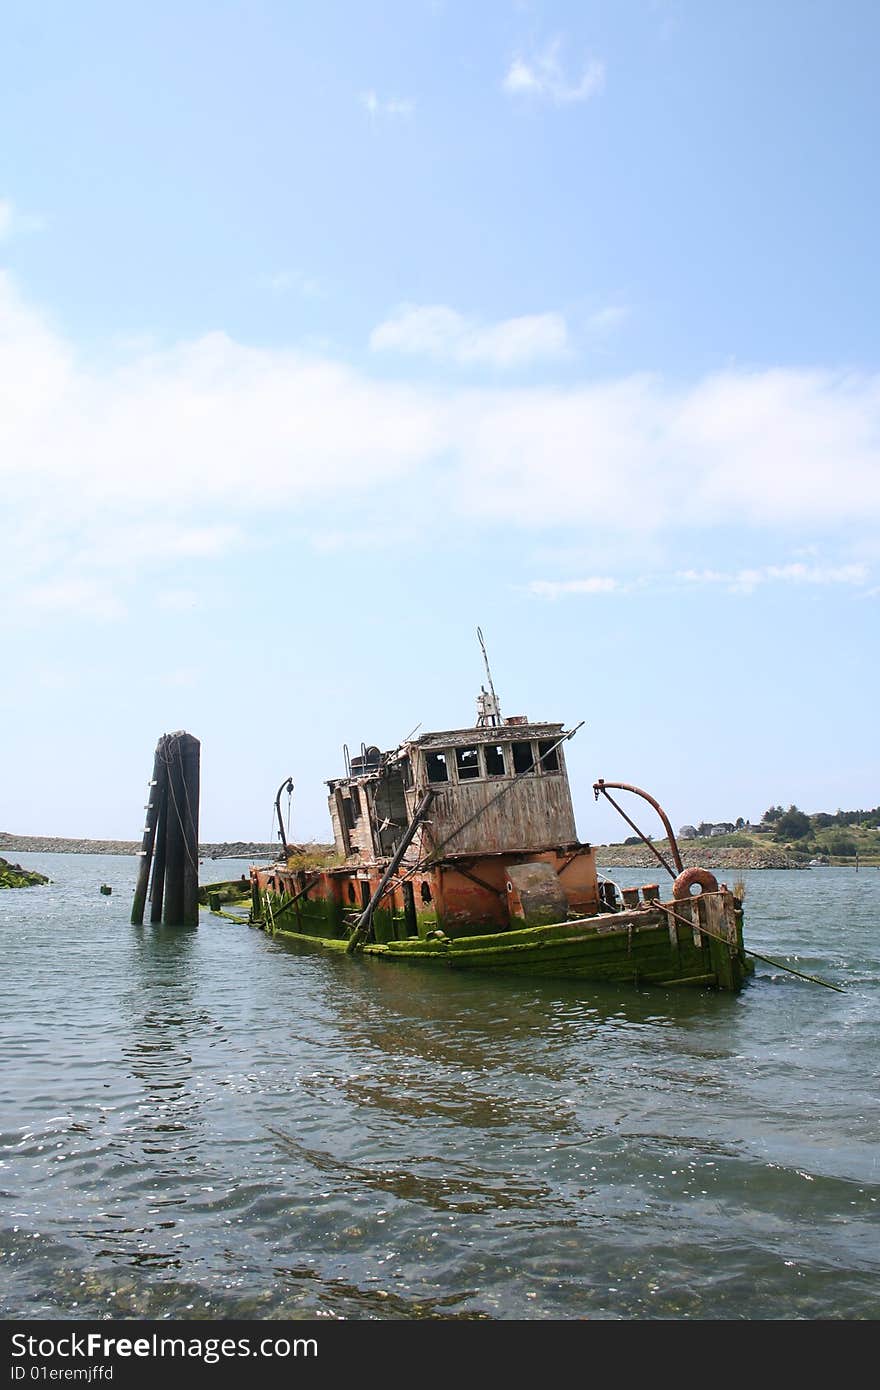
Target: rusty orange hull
{"type": "Point", "coordinates": [694, 942]}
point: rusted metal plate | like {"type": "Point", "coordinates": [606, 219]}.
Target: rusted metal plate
{"type": "Point", "coordinates": [535, 895]}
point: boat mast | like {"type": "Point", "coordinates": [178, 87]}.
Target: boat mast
{"type": "Point", "coordinates": [488, 709]}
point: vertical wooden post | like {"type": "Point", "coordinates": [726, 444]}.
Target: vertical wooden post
{"type": "Point", "coordinates": [720, 952]}
{"type": "Point", "coordinates": [172, 829]}
{"type": "Point", "coordinates": [157, 888]}
{"type": "Point", "coordinates": [409, 910]}
{"type": "Point", "coordinates": [189, 754]}
{"type": "Point", "coordinates": [172, 911]}
{"type": "Point", "coordinates": [146, 852]}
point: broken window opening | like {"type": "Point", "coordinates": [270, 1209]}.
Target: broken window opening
{"type": "Point", "coordinates": [438, 771]}
{"type": "Point", "coordinates": [523, 758]}
{"type": "Point", "coordinates": [467, 761]}
{"type": "Point", "coordinates": [495, 764]}
{"type": "Point", "coordinates": [355, 803]}
{"type": "Point", "coordinates": [548, 755]}
{"type": "Point", "coordinates": [348, 812]}
{"type": "Point", "coordinates": [425, 891]}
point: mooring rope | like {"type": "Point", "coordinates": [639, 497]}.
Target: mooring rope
{"type": "Point", "coordinates": [698, 926]}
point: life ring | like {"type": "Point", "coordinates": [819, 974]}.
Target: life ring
{"type": "Point", "coordinates": [681, 888]}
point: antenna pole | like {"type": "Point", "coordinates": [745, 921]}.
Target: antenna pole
{"type": "Point", "coordinates": [489, 711]}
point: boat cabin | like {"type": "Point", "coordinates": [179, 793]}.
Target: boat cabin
{"type": "Point", "coordinates": [495, 790]}
{"type": "Point", "coordinates": [496, 845]}
{"type": "Point", "coordinates": [459, 848]}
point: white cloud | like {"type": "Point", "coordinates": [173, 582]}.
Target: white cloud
{"type": "Point", "coordinates": [157, 540]}
{"type": "Point", "coordinates": [177, 600]}
{"type": "Point", "coordinates": [182, 676]}
{"type": "Point", "coordinates": [559, 588]}
{"type": "Point", "coordinates": [745, 581]}
{"type": "Point", "coordinates": [82, 596]}
{"type": "Point", "coordinates": [387, 106]}
{"type": "Point", "coordinates": [433, 330]}
{"type": "Point", "coordinates": [761, 449]}
{"type": "Point", "coordinates": [12, 221]}
{"type": "Point", "coordinates": [335, 541]}
{"type": "Point", "coordinates": [104, 467]}
{"type": "Point", "coordinates": [542, 76]}
{"type": "Point", "coordinates": [291, 281]}
{"type": "Point", "coordinates": [608, 319]}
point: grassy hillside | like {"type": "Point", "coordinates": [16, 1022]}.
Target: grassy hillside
{"type": "Point", "coordinates": [835, 844]}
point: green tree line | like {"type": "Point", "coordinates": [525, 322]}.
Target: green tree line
{"type": "Point", "coordinates": [794, 824]}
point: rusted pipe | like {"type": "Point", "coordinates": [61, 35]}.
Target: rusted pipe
{"type": "Point", "coordinates": [602, 786]}
{"type": "Point", "coordinates": [288, 784]}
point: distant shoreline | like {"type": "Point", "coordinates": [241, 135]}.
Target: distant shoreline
{"type": "Point", "coordinates": [702, 856]}
{"type": "Point", "coordinates": [608, 856]}
{"type": "Point", "coordinates": [50, 844]}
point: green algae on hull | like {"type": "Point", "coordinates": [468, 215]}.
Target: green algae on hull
{"type": "Point", "coordinates": [644, 947]}
{"type": "Point", "coordinates": [458, 848]}
{"type": "Point", "coordinates": [14, 876]}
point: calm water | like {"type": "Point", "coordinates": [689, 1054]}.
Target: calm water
{"type": "Point", "coordinates": [212, 1124]}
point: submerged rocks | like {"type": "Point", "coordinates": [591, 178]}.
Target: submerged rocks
{"type": "Point", "coordinates": [14, 876]}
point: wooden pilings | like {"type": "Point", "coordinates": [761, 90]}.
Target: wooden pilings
{"type": "Point", "coordinates": [157, 893]}
{"type": "Point", "coordinates": [171, 836]}
{"type": "Point", "coordinates": [146, 850]}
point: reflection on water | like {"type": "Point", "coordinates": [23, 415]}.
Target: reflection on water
{"type": "Point", "coordinates": [211, 1123]}
{"type": "Point", "coordinates": [162, 1015]}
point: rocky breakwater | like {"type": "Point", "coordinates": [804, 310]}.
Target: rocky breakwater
{"type": "Point", "coordinates": [47, 844]}
{"type": "Point", "coordinates": [699, 857]}
{"type": "Point", "coordinates": [14, 876]}
{"type": "Point", "coordinates": [239, 849]}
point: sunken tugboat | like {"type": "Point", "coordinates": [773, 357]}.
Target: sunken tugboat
{"type": "Point", "coordinates": [458, 850]}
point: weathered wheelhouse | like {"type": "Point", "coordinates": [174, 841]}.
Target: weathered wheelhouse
{"type": "Point", "coordinates": [458, 849]}
{"type": "Point", "coordinates": [497, 846]}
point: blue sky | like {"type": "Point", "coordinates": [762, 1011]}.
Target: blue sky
{"type": "Point", "coordinates": [328, 333]}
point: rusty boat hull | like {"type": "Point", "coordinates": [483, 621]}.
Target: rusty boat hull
{"type": "Point", "coordinates": [458, 849]}
{"type": "Point", "coordinates": [694, 942]}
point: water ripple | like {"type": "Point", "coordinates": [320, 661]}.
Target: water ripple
{"type": "Point", "coordinates": [215, 1124]}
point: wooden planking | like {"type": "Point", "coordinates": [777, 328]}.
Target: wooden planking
{"type": "Point", "coordinates": [535, 813]}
